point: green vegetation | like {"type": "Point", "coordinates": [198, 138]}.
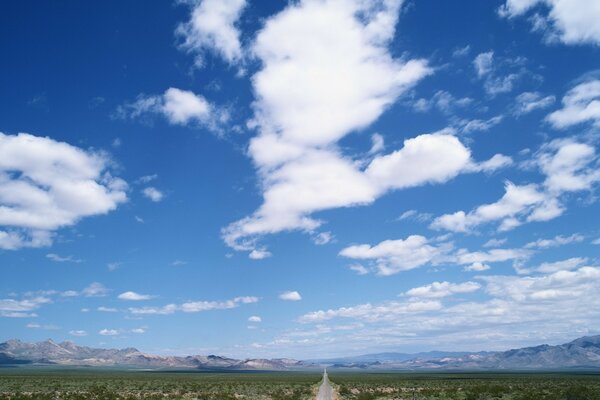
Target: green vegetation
{"type": "Point", "coordinates": [473, 386]}
{"type": "Point", "coordinates": [46, 384]}
{"type": "Point", "coordinates": [21, 384]}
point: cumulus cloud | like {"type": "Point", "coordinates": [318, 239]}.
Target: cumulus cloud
{"type": "Point", "coordinates": [480, 125]}
{"type": "Point", "coordinates": [290, 296]}
{"type": "Point", "coordinates": [304, 79]}
{"type": "Point", "coordinates": [484, 63]}
{"type": "Point", "coordinates": [12, 308]}
{"type": "Point", "coordinates": [153, 194]}
{"type": "Point", "coordinates": [527, 102]}
{"type": "Point", "coordinates": [58, 258]}
{"type": "Point", "coordinates": [78, 333]}
{"type": "Point", "coordinates": [107, 309]}
{"type": "Point", "coordinates": [178, 107]}
{"type": "Point", "coordinates": [486, 66]}
{"type": "Point", "coordinates": [259, 254]}
{"type": "Point", "coordinates": [563, 265]}
{"type": "Point", "coordinates": [213, 27]}
{"type": "Point", "coordinates": [476, 267]}
{"type": "Point", "coordinates": [393, 256]}
{"type": "Point", "coordinates": [133, 296]}
{"type": "Point", "coordinates": [46, 185]}
{"type": "Point", "coordinates": [507, 308]}
{"type": "Point", "coordinates": [443, 289]}
{"type": "Point", "coordinates": [194, 306]}
{"type": "Point", "coordinates": [254, 318]}
{"type": "Point", "coordinates": [558, 240]}
{"type": "Point", "coordinates": [390, 257]}
{"type": "Point", "coordinates": [568, 166]}
{"type": "Point", "coordinates": [570, 21]}
{"type": "Point", "coordinates": [443, 101]}
{"type": "Point", "coordinates": [95, 289]}
{"type": "Point", "coordinates": [580, 104]}
{"type": "Point", "coordinates": [108, 332]}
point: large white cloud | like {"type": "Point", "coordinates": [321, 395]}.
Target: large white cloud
{"type": "Point", "coordinates": [332, 75]}
{"type": "Point", "coordinates": [46, 185]}
{"type": "Point", "coordinates": [571, 21]}
{"type": "Point", "coordinates": [212, 27]}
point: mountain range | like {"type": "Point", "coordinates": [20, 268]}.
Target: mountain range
{"type": "Point", "coordinates": [582, 353]}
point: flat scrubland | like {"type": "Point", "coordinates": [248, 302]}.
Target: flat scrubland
{"type": "Point", "coordinates": [468, 386]}
{"type": "Point", "coordinates": [22, 383]}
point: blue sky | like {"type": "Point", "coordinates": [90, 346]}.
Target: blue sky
{"type": "Point", "coordinates": [305, 179]}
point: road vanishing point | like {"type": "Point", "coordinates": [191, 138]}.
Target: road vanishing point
{"type": "Point", "coordinates": [325, 390]}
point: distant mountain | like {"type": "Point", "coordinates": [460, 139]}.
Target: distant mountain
{"type": "Point", "coordinates": [393, 357]}
{"type": "Point", "coordinates": [582, 353]}
{"type": "Point", "coordinates": [68, 353]}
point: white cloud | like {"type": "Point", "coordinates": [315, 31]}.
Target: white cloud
{"type": "Point", "coordinates": [483, 63]}
{"type": "Point", "coordinates": [12, 308]}
{"type": "Point", "coordinates": [486, 66]}
{"type": "Point", "coordinates": [580, 104]}
{"type": "Point", "coordinates": [78, 333]}
{"type": "Point", "coordinates": [58, 258]}
{"type": "Point", "coordinates": [498, 161]}
{"type": "Point", "coordinates": [95, 289]}
{"type": "Point", "coordinates": [568, 167]}
{"type": "Point", "coordinates": [304, 79]}
{"type": "Point", "coordinates": [377, 143]}
{"type": "Point", "coordinates": [322, 238]}
{"type": "Point", "coordinates": [179, 107]}
{"type": "Point", "coordinates": [527, 102]}
{"type": "Point", "coordinates": [572, 21]}
{"type": "Point", "coordinates": [359, 269]}
{"type": "Point", "coordinates": [162, 310]}
{"type": "Point", "coordinates": [508, 309]}
{"type": "Point", "coordinates": [443, 289]}
{"type": "Point", "coordinates": [371, 313]}
{"type": "Point", "coordinates": [464, 256]}
{"type": "Point", "coordinates": [147, 178]}
{"type": "Point", "coordinates": [393, 256]}
{"type": "Point", "coordinates": [516, 200]}
{"type": "Point", "coordinates": [563, 265]}
{"type": "Point", "coordinates": [46, 185]}
{"type": "Point", "coordinates": [138, 330]}
{"type": "Point", "coordinates": [153, 194]}
{"type": "Point", "coordinates": [476, 267]}
{"type": "Point", "coordinates": [133, 296]}
{"type": "Point", "coordinates": [558, 240]}
{"type": "Point", "coordinates": [479, 125]}
{"type": "Point", "coordinates": [194, 306]}
{"type": "Point", "coordinates": [290, 296]}
{"type": "Point", "coordinates": [107, 309]}
{"type": "Point", "coordinates": [259, 254]}
{"type": "Point", "coordinates": [108, 332]}
{"type": "Point", "coordinates": [255, 318]}
{"type": "Point", "coordinates": [443, 101]}
{"type": "Point", "coordinates": [212, 26]}
{"type": "Point", "coordinates": [596, 241]}
{"type": "Point", "coordinates": [495, 242]}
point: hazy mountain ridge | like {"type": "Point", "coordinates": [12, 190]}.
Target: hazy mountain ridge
{"type": "Point", "coordinates": [68, 353]}
{"type": "Point", "coordinates": [580, 353]}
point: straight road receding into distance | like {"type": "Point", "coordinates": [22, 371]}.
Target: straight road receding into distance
{"type": "Point", "coordinates": [325, 390]}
